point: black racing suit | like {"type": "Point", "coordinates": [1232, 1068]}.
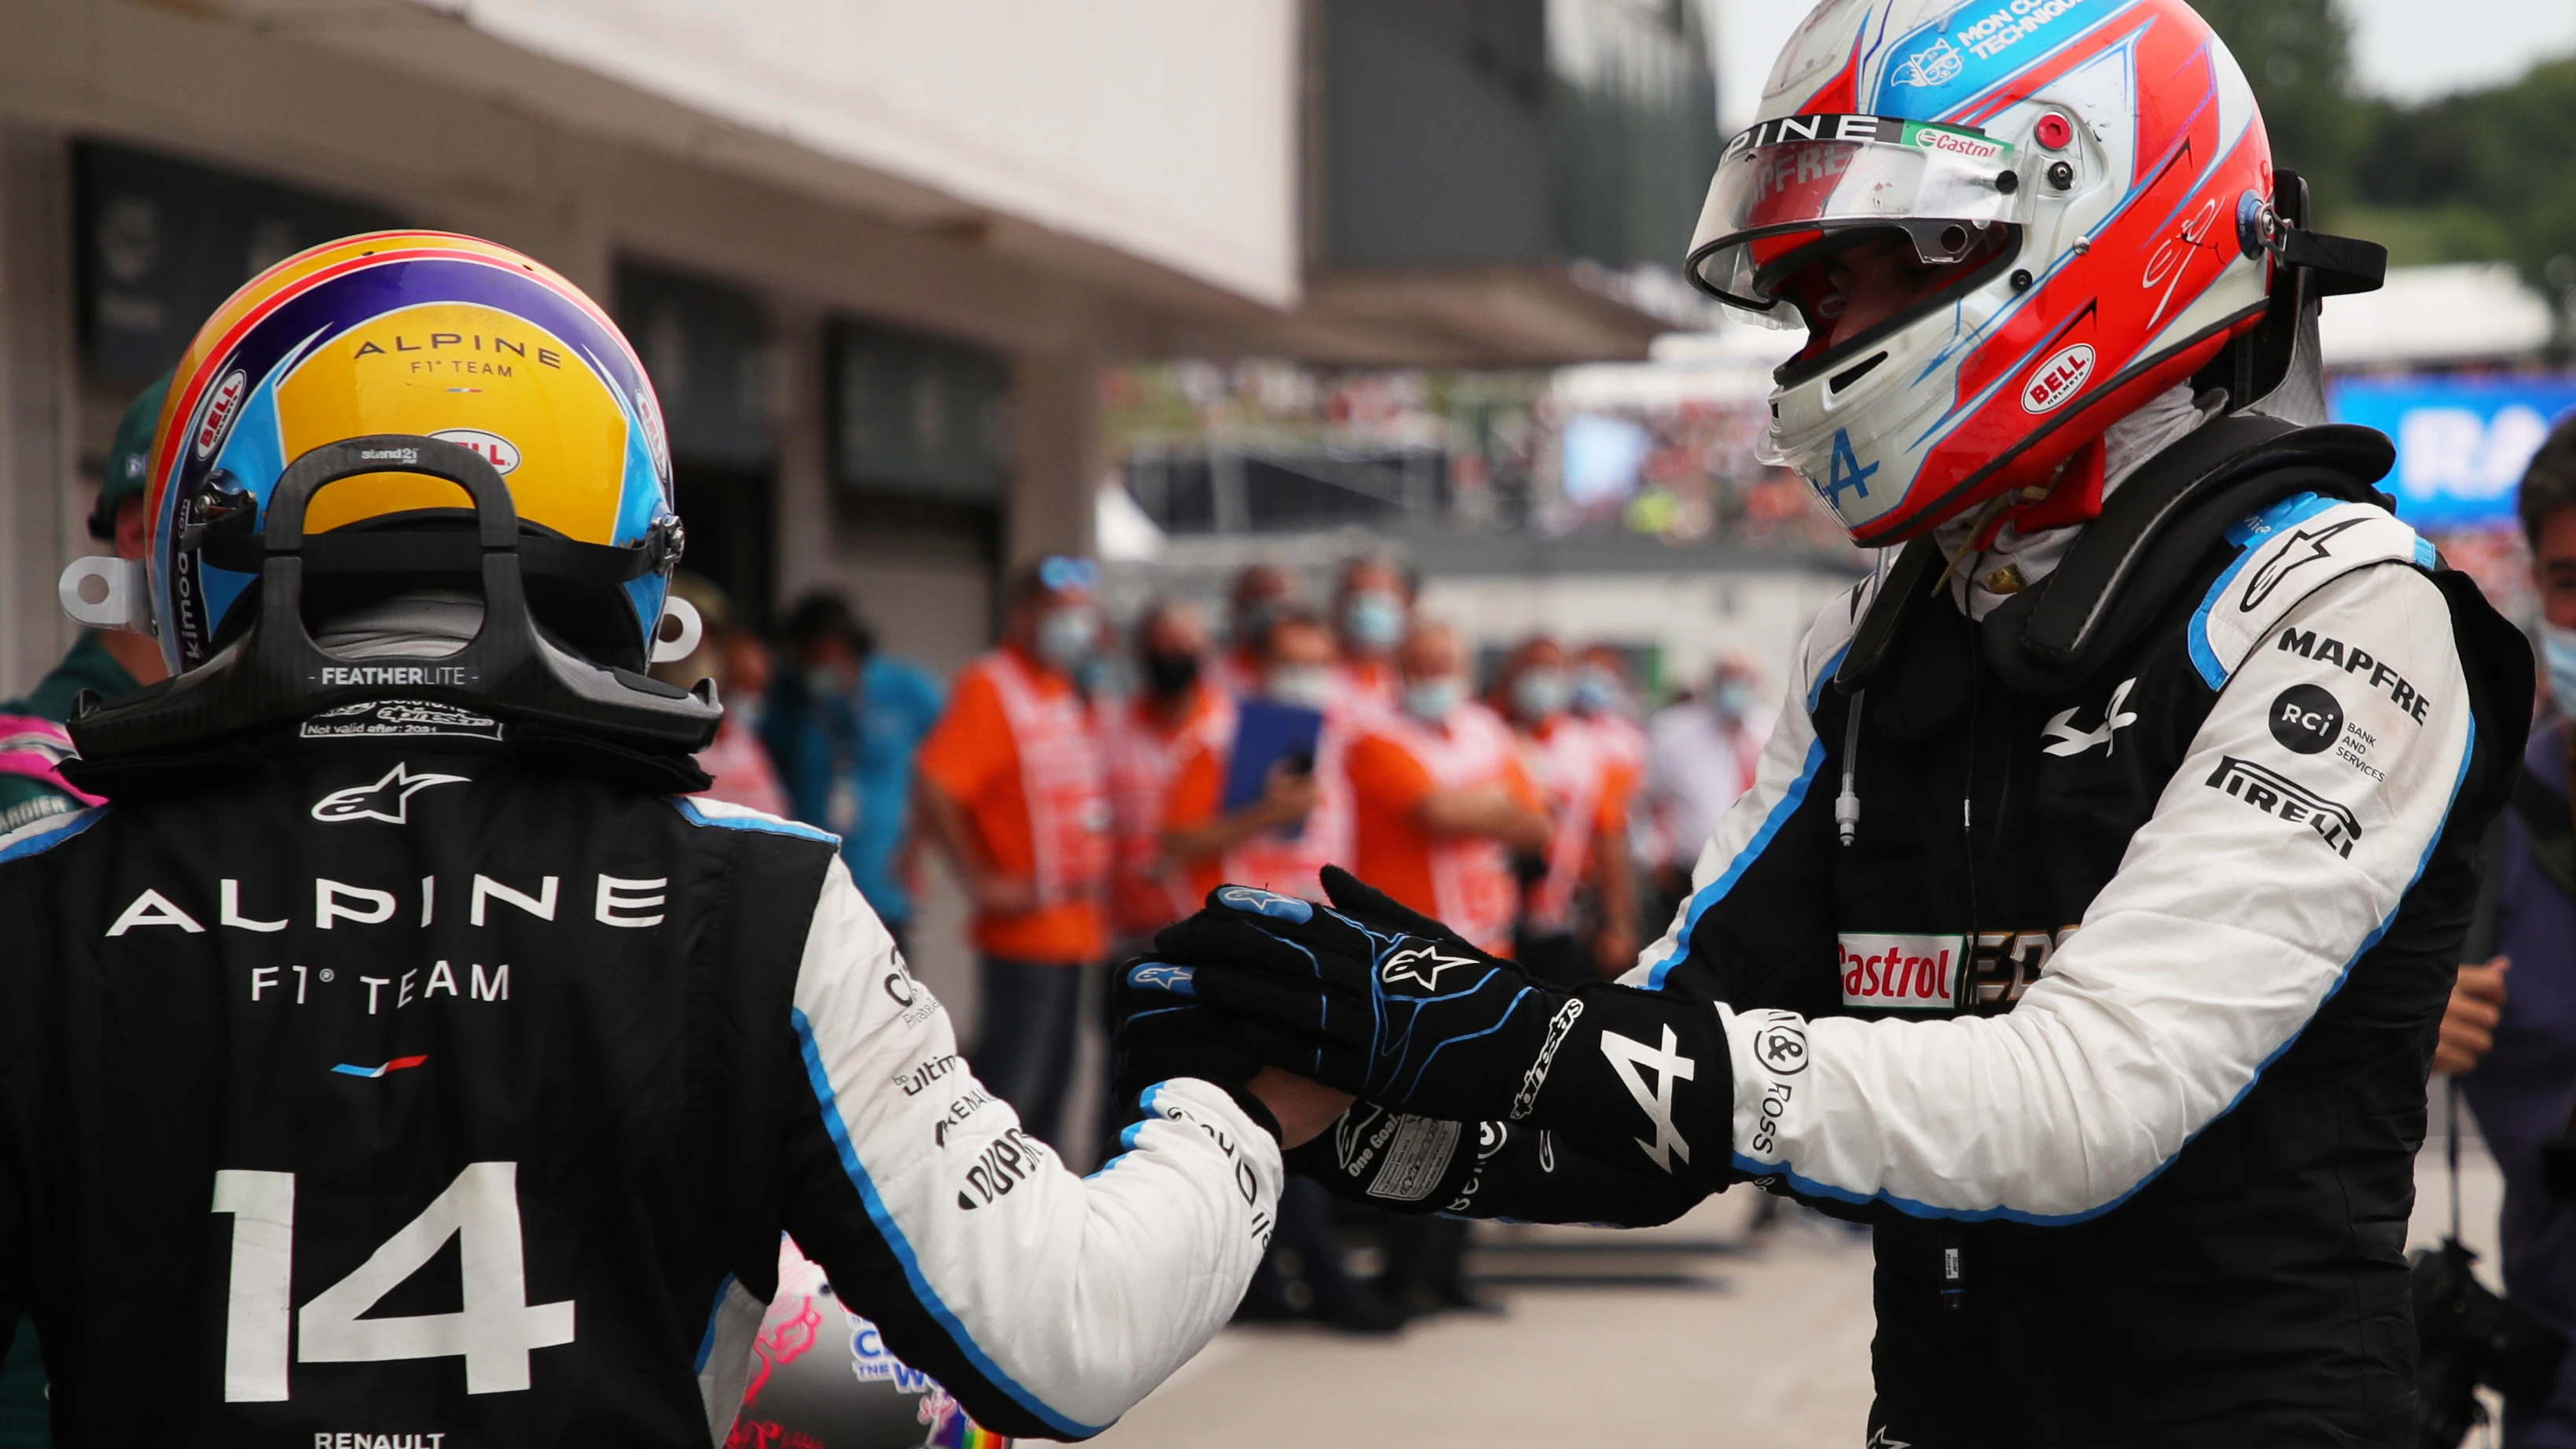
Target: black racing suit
{"type": "Point", "coordinates": [2114, 1015]}
{"type": "Point", "coordinates": [422, 1092]}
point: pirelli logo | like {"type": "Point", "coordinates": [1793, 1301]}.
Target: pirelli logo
{"type": "Point", "coordinates": [2276, 794]}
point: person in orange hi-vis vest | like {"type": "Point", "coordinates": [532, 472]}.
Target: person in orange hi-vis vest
{"type": "Point", "coordinates": [1014, 792]}
{"type": "Point", "coordinates": [1176, 717]}
{"type": "Point", "coordinates": [1586, 845]}
{"type": "Point", "coordinates": [1260, 592]}
{"type": "Point", "coordinates": [1302, 822]}
{"type": "Point", "coordinates": [1439, 798]}
{"type": "Point", "coordinates": [1372, 609]}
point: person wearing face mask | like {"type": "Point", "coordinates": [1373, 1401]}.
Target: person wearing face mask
{"type": "Point", "coordinates": [1014, 794]}
{"type": "Point", "coordinates": [2513, 1053]}
{"type": "Point", "coordinates": [1301, 822]}
{"type": "Point", "coordinates": [1440, 800]}
{"type": "Point", "coordinates": [1582, 878]}
{"type": "Point", "coordinates": [841, 723]}
{"type": "Point", "coordinates": [1260, 591]}
{"type": "Point", "coordinates": [1372, 609]}
{"type": "Point", "coordinates": [1700, 758]}
{"type": "Point", "coordinates": [1175, 717]}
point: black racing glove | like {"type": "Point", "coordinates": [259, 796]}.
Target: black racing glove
{"type": "Point", "coordinates": [1161, 1032]}
{"type": "Point", "coordinates": [1402, 1163]}
{"type": "Point", "coordinates": [1383, 1003]}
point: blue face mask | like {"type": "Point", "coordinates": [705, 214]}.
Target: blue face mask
{"type": "Point", "coordinates": [1733, 699]}
{"type": "Point", "coordinates": [2558, 660]}
{"type": "Point", "coordinates": [1540, 693]}
{"type": "Point", "coordinates": [1433, 700]}
{"type": "Point", "coordinates": [1067, 637]}
{"type": "Point", "coordinates": [1374, 620]}
{"type": "Point", "coordinates": [1595, 692]}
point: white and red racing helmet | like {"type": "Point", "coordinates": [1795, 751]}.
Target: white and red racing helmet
{"type": "Point", "coordinates": [2004, 227]}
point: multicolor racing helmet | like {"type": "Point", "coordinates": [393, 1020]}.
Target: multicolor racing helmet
{"type": "Point", "coordinates": [2003, 226]}
{"type": "Point", "coordinates": [390, 410]}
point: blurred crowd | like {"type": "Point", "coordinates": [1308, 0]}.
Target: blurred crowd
{"type": "Point", "coordinates": [1085, 800]}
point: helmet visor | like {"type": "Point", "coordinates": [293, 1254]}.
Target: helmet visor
{"type": "Point", "coordinates": [1790, 182]}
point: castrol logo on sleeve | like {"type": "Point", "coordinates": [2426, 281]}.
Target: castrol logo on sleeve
{"type": "Point", "coordinates": [1902, 973]}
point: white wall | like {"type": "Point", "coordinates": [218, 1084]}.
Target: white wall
{"type": "Point", "coordinates": [1162, 128]}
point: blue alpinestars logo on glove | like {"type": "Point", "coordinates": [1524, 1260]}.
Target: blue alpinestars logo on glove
{"type": "Point", "coordinates": [1266, 903]}
{"type": "Point", "coordinates": [1420, 964]}
{"type": "Point", "coordinates": [1162, 976]}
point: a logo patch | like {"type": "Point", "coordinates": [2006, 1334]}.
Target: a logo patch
{"type": "Point", "coordinates": [2056, 382]}
{"type": "Point", "coordinates": [2069, 741]}
{"type": "Point", "coordinates": [388, 800]}
{"type": "Point", "coordinates": [398, 719]}
{"type": "Point", "coordinates": [2303, 547]}
{"type": "Point", "coordinates": [222, 405]}
{"type": "Point", "coordinates": [1632, 1059]}
{"type": "Point", "coordinates": [496, 450]}
{"type": "Point", "coordinates": [1902, 973]}
{"type": "Point", "coordinates": [2276, 794]}
{"type": "Point", "coordinates": [1420, 965]}
{"type": "Point", "coordinates": [2306, 719]}
{"type": "Point", "coordinates": [1526, 1099]}
{"type": "Point", "coordinates": [1260, 902]}
{"type": "Point", "coordinates": [1935, 65]}
{"type": "Point", "coordinates": [1163, 976]}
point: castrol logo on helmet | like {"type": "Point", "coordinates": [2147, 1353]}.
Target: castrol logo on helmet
{"type": "Point", "coordinates": [223, 404]}
{"type": "Point", "coordinates": [496, 450]}
{"type": "Point", "coordinates": [2059, 378]}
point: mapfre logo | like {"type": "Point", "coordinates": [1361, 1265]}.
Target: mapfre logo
{"type": "Point", "coordinates": [1902, 973]}
{"type": "Point", "coordinates": [2058, 379]}
{"type": "Point", "coordinates": [222, 406]}
{"type": "Point", "coordinates": [496, 450]}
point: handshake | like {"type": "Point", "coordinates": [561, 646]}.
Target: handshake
{"type": "Point", "coordinates": [1405, 1068]}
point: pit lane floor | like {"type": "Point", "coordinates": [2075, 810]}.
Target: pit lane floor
{"type": "Point", "coordinates": [1607, 1338]}
{"type": "Point", "coordinates": [1701, 1333]}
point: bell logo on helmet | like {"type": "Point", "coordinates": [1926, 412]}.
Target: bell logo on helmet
{"type": "Point", "coordinates": [496, 450]}
{"type": "Point", "coordinates": [2058, 380]}
{"type": "Point", "coordinates": [222, 406]}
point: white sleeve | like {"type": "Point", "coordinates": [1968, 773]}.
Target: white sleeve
{"type": "Point", "coordinates": [2239, 907]}
{"type": "Point", "coordinates": [1047, 1303]}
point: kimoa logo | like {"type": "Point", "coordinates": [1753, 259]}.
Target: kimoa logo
{"type": "Point", "coordinates": [2058, 380]}
{"type": "Point", "coordinates": [388, 799]}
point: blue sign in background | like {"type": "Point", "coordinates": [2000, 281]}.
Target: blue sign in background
{"type": "Point", "coordinates": [2462, 443]}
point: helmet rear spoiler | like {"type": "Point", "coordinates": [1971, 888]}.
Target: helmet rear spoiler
{"type": "Point", "coordinates": [275, 672]}
{"type": "Point", "coordinates": [2276, 366]}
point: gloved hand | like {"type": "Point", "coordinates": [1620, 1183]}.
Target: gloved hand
{"type": "Point", "coordinates": [1399, 1162]}
{"type": "Point", "coordinates": [1379, 1001]}
{"type": "Point", "coordinates": [1162, 1032]}
{"type": "Point", "coordinates": [1369, 1005]}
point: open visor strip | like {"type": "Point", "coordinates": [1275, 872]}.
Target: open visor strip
{"type": "Point", "coordinates": [1788, 180]}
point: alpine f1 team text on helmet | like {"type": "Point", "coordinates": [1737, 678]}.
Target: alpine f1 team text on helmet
{"type": "Point", "coordinates": [2077, 198]}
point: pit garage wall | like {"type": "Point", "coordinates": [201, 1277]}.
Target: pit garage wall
{"type": "Point", "coordinates": [158, 78]}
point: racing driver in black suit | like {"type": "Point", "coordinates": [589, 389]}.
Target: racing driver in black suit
{"type": "Point", "coordinates": [401, 1057]}
{"type": "Point", "coordinates": [2089, 926]}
